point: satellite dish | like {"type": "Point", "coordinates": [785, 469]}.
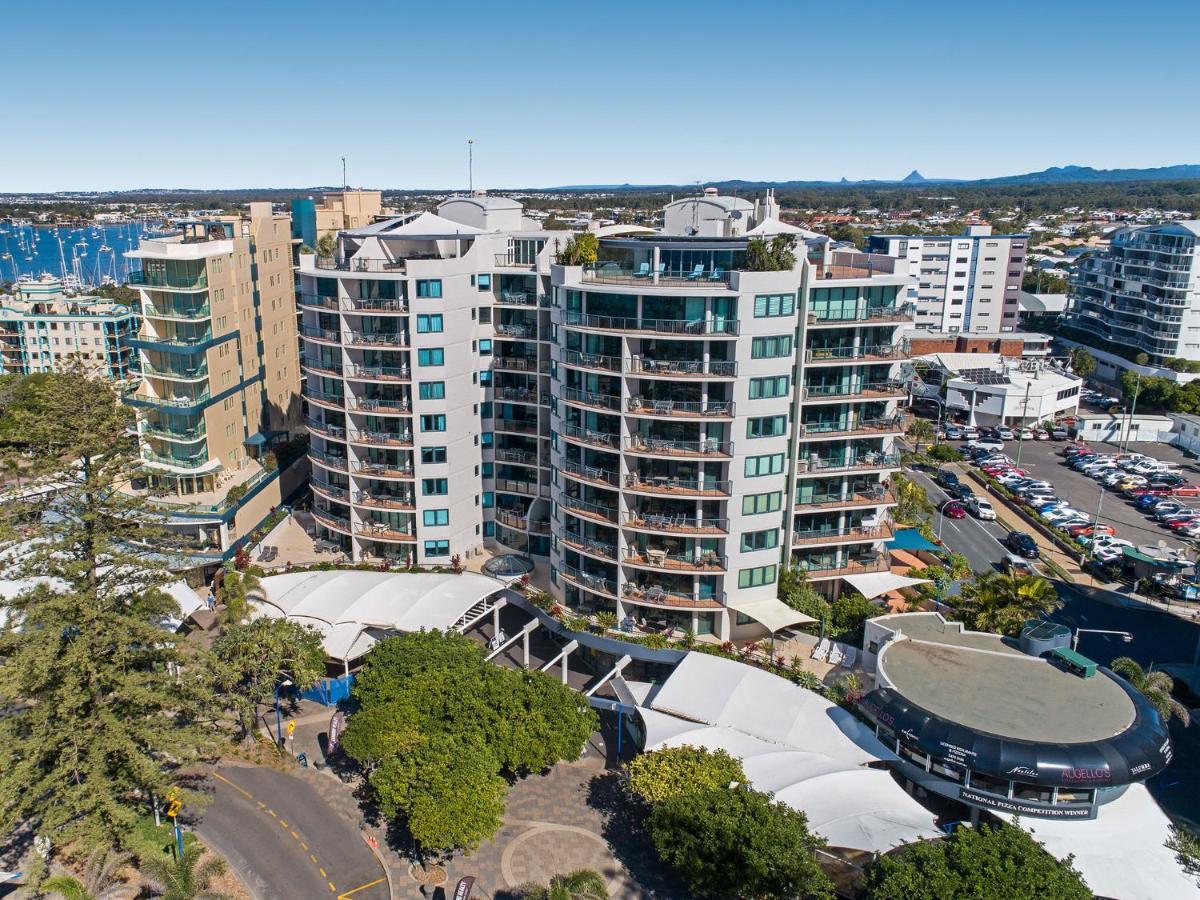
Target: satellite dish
{"type": "Point", "coordinates": [736, 214]}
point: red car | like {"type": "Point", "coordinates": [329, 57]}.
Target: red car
{"type": "Point", "coordinates": [1142, 491]}
{"type": "Point", "coordinates": [1090, 530]}
{"type": "Point", "coordinates": [954, 510]}
{"type": "Point", "coordinates": [1186, 490]}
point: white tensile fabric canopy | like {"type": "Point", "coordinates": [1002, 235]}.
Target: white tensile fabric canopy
{"type": "Point", "coordinates": [770, 612]}
{"type": "Point", "coordinates": [346, 606]}
{"type": "Point", "coordinates": [808, 752]}
{"type": "Point", "coordinates": [876, 583]}
{"type": "Point", "coordinates": [424, 227]}
{"type": "Point", "coordinates": [1120, 853]}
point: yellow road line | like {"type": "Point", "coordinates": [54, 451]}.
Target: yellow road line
{"type": "Point", "coordinates": [332, 889]}
{"type": "Point", "coordinates": [304, 845]}
{"type": "Point", "coordinates": [324, 874]}
{"type": "Point", "coordinates": [262, 805]}
{"type": "Point", "coordinates": [282, 824]}
{"type": "Point", "coordinates": [296, 836]}
{"type": "Point", "coordinates": [272, 812]}
{"type": "Point", "coordinates": [362, 887]}
{"type": "Point", "coordinates": [239, 789]}
{"type": "Point", "coordinates": [313, 858]}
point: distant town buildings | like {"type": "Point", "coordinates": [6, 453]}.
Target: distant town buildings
{"type": "Point", "coordinates": [966, 282]}
{"type": "Point", "coordinates": [43, 330]}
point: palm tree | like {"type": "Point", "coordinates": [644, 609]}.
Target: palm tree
{"type": "Point", "coordinates": [920, 431]}
{"type": "Point", "coordinates": [1003, 603]}
{"type": "Point", "coordinates": [1156, 686]}
{"type": "Point", "coordinates": [234, 595]}
{"type": "Point", "coordinates": [582, 884]}
{"type": "Point", "coordinates": [100, 881]}
{"type": "Point", "coordinates": [185, 878]}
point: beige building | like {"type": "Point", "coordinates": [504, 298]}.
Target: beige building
{"type": "Point", "coordinates": [347, 209]}
{"type": "Point", "coordinates": [221, 378]}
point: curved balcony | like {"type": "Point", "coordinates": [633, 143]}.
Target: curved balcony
{"type": "Point", "coordinates": [859, 534]}
{"type": "Point", "coordinates": [321, 335]}
{"type": "Point", "coordinates": [330, 521]}
{"type": "Point", "coordinates": [328, 460]}
{"type": "Point", "coordinates": [376, 339]}
{"type": "Point", "coordinates": [599, 439]}
{"type": "Point", "coordinates": [604, 402]}
{"type": "Point", "coordinates": [381, 438]}
{"type": "Point", "coordinates": [813, 431]}
{"type": "Point", "coordinates": [381, 406]}
{"type": "Point", "coordinates": [710, 448]}
{"type": "Point", "coordinates": [360, 264]}
{"type": "Point", "coordinates": [379, 531]}
{"type": "Point", "coordinates": [657, 595]}
{"type": "Point", "coordinates": [161, 280]}
{"type": "Point", "coordinates": [670, 486]}
{"type": "Point", "coordinates": [516, 395]}
{"type": "Point", "coordinates": [594, 511]}
{"type": "Point", "coordinates": [679, 409]}
{"type": "Point", "coordinates": [817, 356]}
{"type": "Point", "coordinates": [593, 362]}
{"type": "Point", "coordinates": [378, 373]}
{"type": "Point", "coordinates": [376, 306]}
{"type": "Point", "coordinates": [317, 301]}
{"type": "Point", "coordinates": [674, 524]}
{"type": "Point", "coordinates": [321, 367]}
{"type": "Point", "coordinates": [590, 474]}
{"type": "Point", "coordinates": [177, 436]}
{"type": "Point", "coordinates": [171, 314]}
{"type": "Point", "coordinates": [199, 373]}
{"type": "Point", "coordinates": [329, 401]}
{"type": "Point", "coordinates": [676, 368]}
{"type": "Point", "coordinates": [384, 470]}
{"type": "Point", "coordinates": [328, 491]}
{"type": "Point", "coordinates": [707, 561]}
{"type": "Point", "coordinates": [879, 497]}
{"type": "Point", "coordinates": [597, 584]}
{"type": "Point", "coordinates": [405, 502]}
{"type": "Point", "coordinates": [588, 547]}
{"type": "Point", "coordinates": [511, 519]}
{"type": "Point", "coordinates": [330, 432]}
{"type": "Point", "coordinates": [685, 328]}
{"type": "Point", "coordinates": [880, 390]}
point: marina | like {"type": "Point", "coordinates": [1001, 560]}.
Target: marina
{"type": "Point", "coordinates": [83, 256]}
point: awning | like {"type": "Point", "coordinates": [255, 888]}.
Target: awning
{"type": "Point", "coordinates": [256, 440]}
{"type": "Point", "coordinates": [911, 539]}
{"type": "Point", "coordinates": [773, 613]}
{"type": "Point", "coordinates": [877, 583]}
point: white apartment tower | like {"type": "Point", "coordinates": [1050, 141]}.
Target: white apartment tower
{"type": "Point", "coordinates": [968, 282]}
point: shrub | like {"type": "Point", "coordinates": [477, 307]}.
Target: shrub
{"type": "Point", "coordinates": [668, 773]}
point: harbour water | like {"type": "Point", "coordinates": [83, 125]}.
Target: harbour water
{"type": "Point", "coordinates": [82, 256]}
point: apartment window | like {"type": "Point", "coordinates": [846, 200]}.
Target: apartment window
{"type": "Point", "coordinates": [429, 324]}
{"type": "Point", "coordinates": [489, 499]}
{"type": "Point", "coordinates": [760, 540]}
{"type": "Point", "coordinates": [432, 455]}
{"type": "Point", "coordinates": [431, 356]}
{"type": "Point", "coordinates": [769, 305]}
{"type": "Point", "coordinates": [433, 423]}
{"type": "Point", "coordinates": [484, 282]}
{"type": "Point", "coordinates": [753, 504]}
{"type": "Point", "coordinates": [485, 347]}
{"type": "Point", "coordinates": [766, 426]}
{"type": "Point", "coordinates": [435, 487]}
{"type": "Point", "coordinates": [437, 548]}
{"type": "Point", "coordinates": [435, 517]}
{"type": "Point", "coordinates": [756, 577]}
{"type": "Point", "coordinates": [770, 464]}
{"type": "Point", "coordinates": [763, 388]}
{"type": "Point", "coordinates": [485, 315]}
{"type": "Point", "coordinates": [430, 287]}
{"type": "Point", "coordinates": [432, 390]}
{"type": "Point", "coordinates": [771, 347]}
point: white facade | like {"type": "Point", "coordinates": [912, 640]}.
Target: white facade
{"type": "Point", "coordinates": [961, 283]}
{"type": "Point", "coordinates": [986, 389]}
{"type": "Point", "coordinates": [1142, 293]}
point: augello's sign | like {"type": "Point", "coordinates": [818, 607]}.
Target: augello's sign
{"type": "Point", "coordinates": [1025, 809]}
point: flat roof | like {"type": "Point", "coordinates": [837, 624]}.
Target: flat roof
{"type": "Point", "coordinates": [1004, 693]}
{"type": "Point", "coordinates": [930, 626]}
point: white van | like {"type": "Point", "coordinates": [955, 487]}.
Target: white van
{"type": "Point", "coordinates": [985, 444]}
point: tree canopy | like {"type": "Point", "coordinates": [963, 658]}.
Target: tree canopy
{"type": "Point", "coordinates": [1003, 603]}
{"type": "Point", "coordinates": [671, 771]}
{"type": "Point", "coordinates": [988, 863]}
{"type": "Point", "coordinates": [739, 843]}
{"type": "Point", "coordinates": [438, 725]}
{"type": "Point", "coordinates": [1156, 686]}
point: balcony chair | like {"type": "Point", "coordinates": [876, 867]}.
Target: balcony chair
{"type": "Point", "coordinates": [718, 274]}
{"type": "Point", "coordinates": [643, 271]}
{"type": "Point", "coordinates": [697, 273]}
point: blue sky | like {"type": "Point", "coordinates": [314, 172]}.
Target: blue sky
{"type": "Point", "coordinates": [258, 93]}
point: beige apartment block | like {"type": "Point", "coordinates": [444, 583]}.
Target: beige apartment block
{"type": "Point", "coordinates": [221, 377]}
{"type": "Point", "coordinates": [347, 209]}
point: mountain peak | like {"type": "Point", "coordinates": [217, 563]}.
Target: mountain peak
{"type": "Point", "coordinates": [913, 177]}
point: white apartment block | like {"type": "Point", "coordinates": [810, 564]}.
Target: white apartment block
{"type": "Point", "coordinates": [969, 282]}
{"type": "Point", "coordinates": [662, 429]}
{"type": "Point", "coordinates": [1141, 294]}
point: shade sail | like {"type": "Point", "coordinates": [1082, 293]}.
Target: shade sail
{"type": "Point", "coordinates": [423, 227]}
{"type": "Point", "coordinates": [877, 583]}
{"type": "Point", "coordinates": [773, 613]}
{"type": "Point", "coordinates": [911, 539]}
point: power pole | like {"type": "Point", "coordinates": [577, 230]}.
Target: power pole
{"type": "Point", "coordinates": [1137, 389]}
{"type": "Point", "coordinates": [470, 166]}
{"type": "Point", "coordinates": [344, 184]}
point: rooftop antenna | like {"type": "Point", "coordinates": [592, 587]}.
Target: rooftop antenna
{"type": "Point", "coordinates": [343, 174]}
{"type": "Point", "coordinates": [470, 166]}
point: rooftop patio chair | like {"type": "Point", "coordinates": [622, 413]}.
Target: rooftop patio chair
{"type": "Point", "coordinates": [836, 655]}
{"type": "Point", "coordinates": [821, 650]}
{"type": "Point", "coordinates": [660, 269]}
{"type": "Point", "coordinates": [697, 272]}
{"type": "Point", "coordinates": [643, 271]}
{"type": "Point", "coordinates": [717, 274]}
{"type": "Point", "coordinates": [851, 656]}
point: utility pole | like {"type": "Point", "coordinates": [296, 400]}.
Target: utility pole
{"type": "Point", "coordinates": [344, 183]}
{"type": "Point", "coordinates": [1137, 389]}
{"type": "Point", "coordinates": [1021, 426]}
{"type": "Point", "coordinates": [470, 165]}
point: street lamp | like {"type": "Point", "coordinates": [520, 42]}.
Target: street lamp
{"type": "Point", "coordinates": [1125, 635]}
{"type": "Point", "coordinates": [287, 682]}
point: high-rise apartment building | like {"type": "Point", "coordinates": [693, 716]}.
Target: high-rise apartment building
{"type": "Point", "coordinates": [968, 282]}
{"type": "Point", "coordinates": [664, 428]}
{"type": "Point", "coordinates": [1141, 294]}
{"type": "Point", "coordinates": [336, 212]}
{"type": "Point", "coordinates": [220, 377]}
{"type": "Point", "coordinates": [43, 330]}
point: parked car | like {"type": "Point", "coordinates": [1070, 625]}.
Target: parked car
{"type": "Point", "coordinates": [1016, 565]}
{"type": "Point", "coordinates": [1025, 435]}
{"type": "Point", "coordinates": [960, 491]}
{"type": "Point", "coordinates": [1041, 434]}
{"type": "Point", "coordinates": [1022, 544]}
{"type": "Point", "coordinates": [1005, 434]}
{"type": "Point", "coordinates": [954, 509]}
{"type": "Point", "coordinates": [953, 433]}
{"type": "Point", "coordinates": [985, 444]}
{"type": "Point", "coordinates": [970, 432]}
{"type": "Point", "coordinates": [1077, 531]}
{"type": "Point", "coordinates": [946, 478]}
{"type": "Point", "coordinates": [1058, 433]}
{"type": "Point", "coordinates": [981, 509]}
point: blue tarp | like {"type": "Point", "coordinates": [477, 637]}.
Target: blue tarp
{"type": "Point", "coordinates": [328, 691]}
{"type": "Point", "coordinates": [910, 539]}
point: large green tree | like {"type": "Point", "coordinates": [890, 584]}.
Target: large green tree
{"type": "Point", "coordinates": [671, 771]}
{"type": "Point", "coordinates": [739, 843]}
{"type": "Point", "coordinates": [988, 863]}
{"type": "Point", "coordinates": [1003, 603]}
{"type": "Point", "coordinates": [251, 659]}
{"type": "Point", "coordinates": [111, 706]}
{"type": "Point", "coordinates": [439, 728]}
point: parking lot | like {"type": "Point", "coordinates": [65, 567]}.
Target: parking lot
{"type": "Point", "coordinates": [1043, 459]}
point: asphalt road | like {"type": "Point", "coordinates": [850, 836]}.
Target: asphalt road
{"type": "Point", "coordinates": [284, 841]}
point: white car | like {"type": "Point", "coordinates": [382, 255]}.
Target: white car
{"type": "Point", "coordinates": [1005, 434]}
{"type": "Point", "coordinates": [1191, 530]}
{"type": "Point", "coordinates": [1108, 540]}
{"type": "Point", "coordinates": [981, 509]}
{"type": "Point", "coordinates": [1025, 435]}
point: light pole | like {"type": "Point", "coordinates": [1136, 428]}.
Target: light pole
{"type": "Point", "coordinates": [287, 682]}
{"type": "Point", "coordinates": [1021, 427]}
{"type": "Point", "coordinates": [1125, 635]}
{"type": "Point", "coordinates": [1137, 389]}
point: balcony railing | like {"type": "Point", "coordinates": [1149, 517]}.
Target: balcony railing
{"type": "Point", "coordinates": [881, 352]}
{"type": "Point", "coordinates": [700, 561]}
{"type": "Point", "coordinates": [849, 567]}
{"type": "Point", "coordinates": [382, 438]}
{"type": "Point", "coordinates": [337, 493]}
{"type": "Point", "coordinates": [328, 460]}
{"type": "Point", "coordinates": [591, 510]}
{"type": "Point", "coordinates": [837, 429]}
{"type": "Point", "coordinates": [591, 361]}
{"type": "Point", "coordinates": [154, 279]}
{"type": "Point", "coordinates": [862, 313]}
{"type": "Point", "coordinates": [517, 363]}
{"type": "Point", "coordinates": [659, 447]}
{"type": "Point", "coordinates": [690, 368]}
{"type": "Point", "coordinates": [517, 486]}
{"type": "Point", "coordinates": [178, 402]}
{"type": "Point", "coordinates": [320, 301]}
{"type": "Point", "coordinates": [657, 595]}
{"type": "Point", "coordinates": [879, 497]}
{"type": "Point", "coordinates": [337, 523]}
{"type": "Point", "coordinates": [383, 531]}
{"type": "Point", "coordinates": [591, 473]}
{"type": "Point", "coordinates": [170, 312]}
{"type": "Point", "coordinates": [612, 273]}
{"type": "Point", "coordinates": [596, 583]}
{"type": "Point", "coordinates": [841, 464]}
{"type": "Point", "coordinates": [676, 524]}
{"type": "Point", "coordinates": [377, 305]}
{"type": "Point", "coordinates": [385, 500]}
{"type": "Point", "coordinates": [323, 398]}
{"type": "Point", "coordinates": [841, 535]}
{"type": "Point", "coordinates": [516, 395]}
{"type": "Point", "coordinates": [869, 390]}
{"type": "Point", "coordinates": [592, 438]}
{"type": "Point", "coordinates": [326, 430]}
{"type": "Point", "coordinates": [384, 470]}
{"type": "Point", "coordinates": [396, 405]}
{"type": "Point", "coordinates": [688, 327]}
{"type": "Point", "coordinates": [669, 484]}
{"type": "Point", "coordinates": [323, 366]}
{"type": "Point", "coordinates": [589, 546]}
{"type": "Point", "coordinates": [329, 336]}
{"type": "Point", "coordinates": [516, 298]}
{"type": "Point", "coordinates": [588, 398]}
{"type": "Point", "coordinates": [648, 406]}
{"type": "Point", "coordinates": [191, 461]}
{"type": "Point", "coordinates": [197, 373]}
{"type": "Point", "coordinates": [523, 457]}
{"type": "Point", "coordinates": [181, 435]}
{"type": "Point", "coordinates": [377, 338]}
{"type": "Point", "coordinates": [360, 264]}
{"type": "Point", "coordinates": [378, 373]}
{"type": "Point", "coordinates": [511, 519]}
{"type": "Point", "coordinates": [525, 332]}
{"type": "Point", "coordinates": [516, 426]}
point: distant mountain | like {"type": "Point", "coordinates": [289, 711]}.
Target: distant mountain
{"type": "Point", "coordinates": [914, 177]}
{"type": "Point", "coordinates": [1069, 174]}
